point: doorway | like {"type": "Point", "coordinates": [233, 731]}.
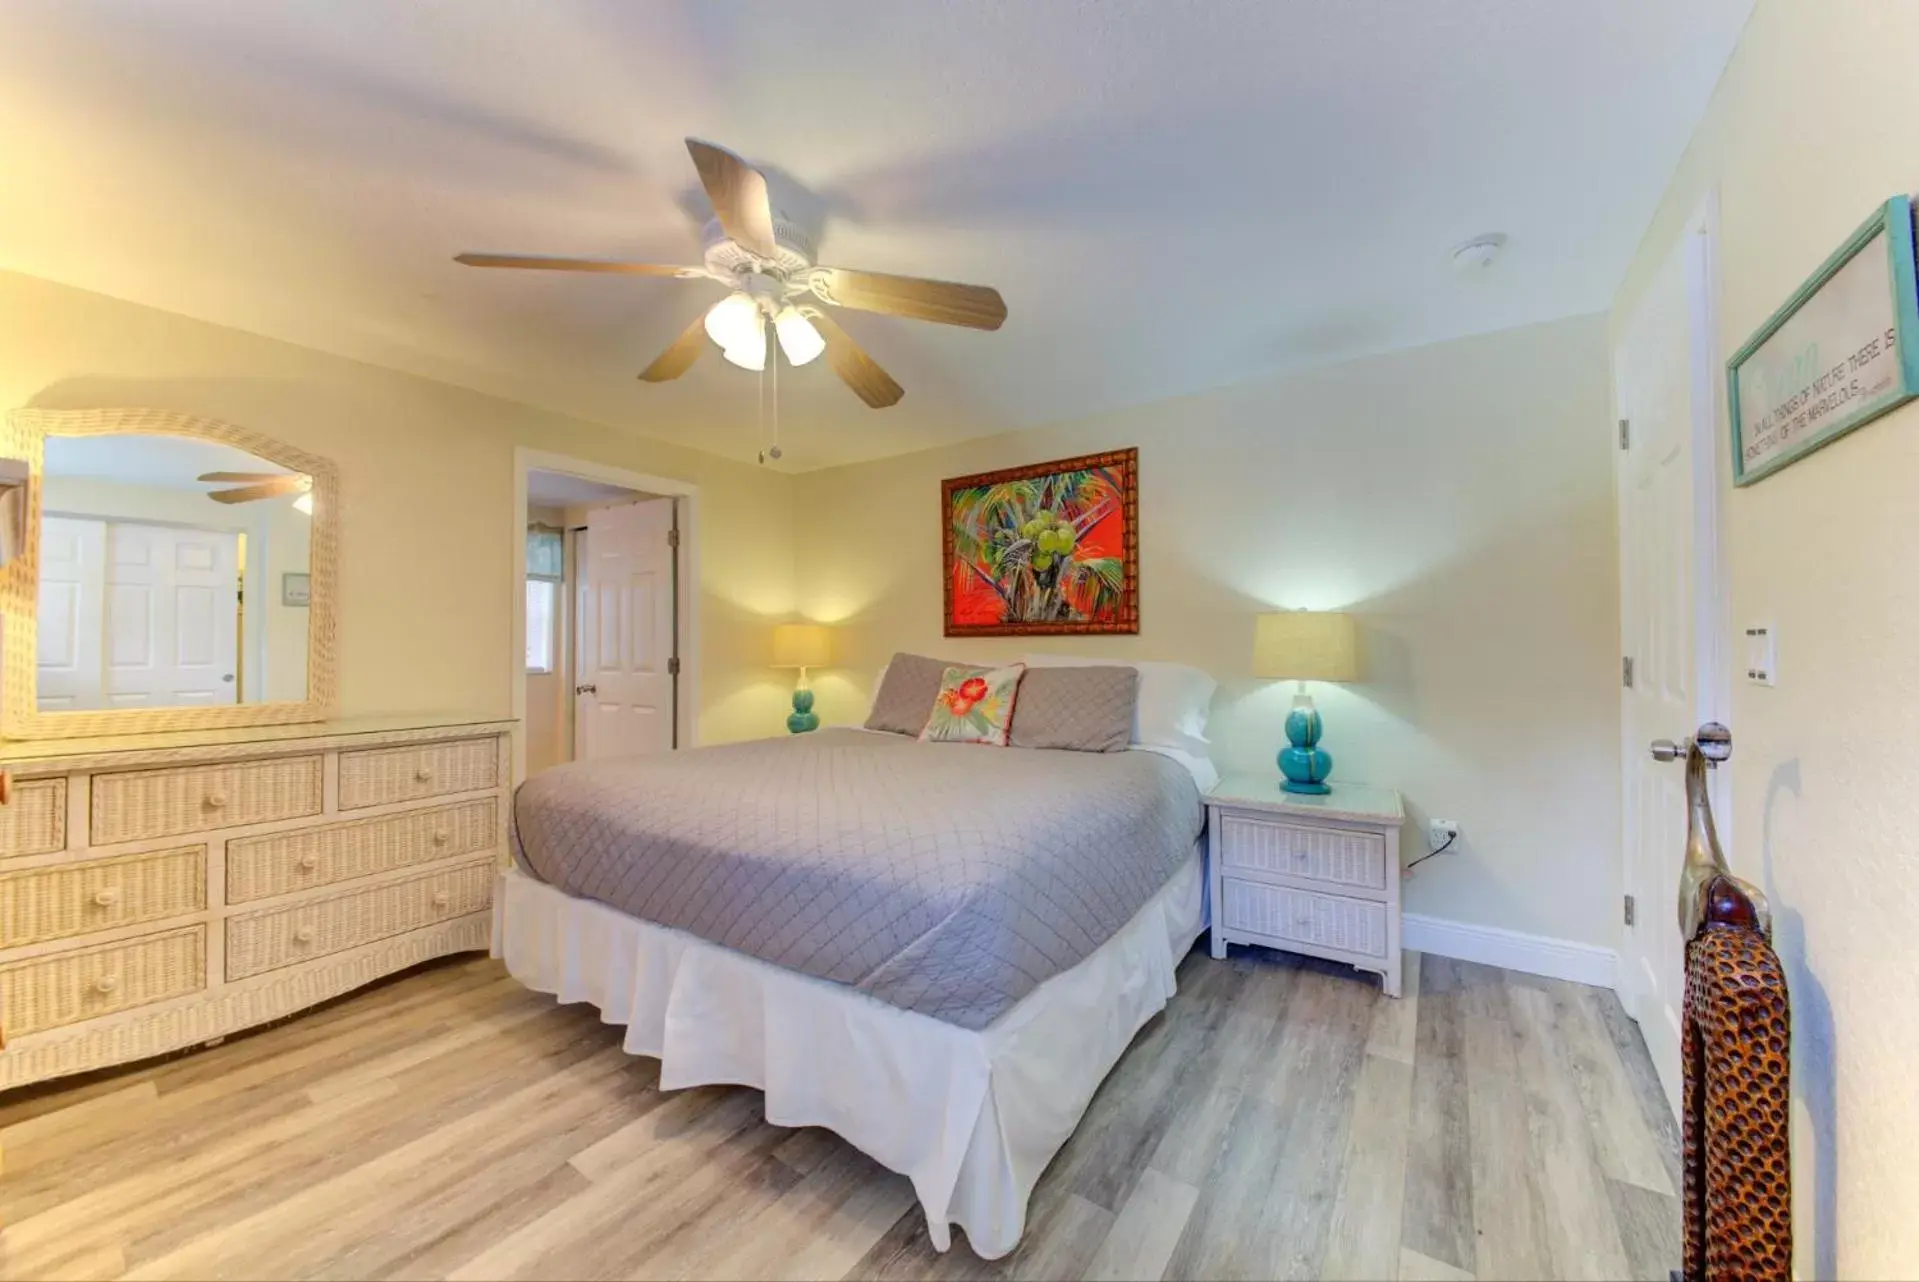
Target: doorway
{"type": "Point", "coordinates": [604, 616]}
{"type": "Point", "coordinates": [1675, 672]}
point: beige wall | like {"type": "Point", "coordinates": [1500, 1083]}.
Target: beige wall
{"type": "Point", "coordinates": [427, 476]}
{"type": "Point", "coordinates": [1811, 128]}
{"type": "Point", "coordinates": [1458, 497]}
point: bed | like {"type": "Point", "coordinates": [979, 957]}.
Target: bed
{"type": "Point", "coordinates": [937, 951]}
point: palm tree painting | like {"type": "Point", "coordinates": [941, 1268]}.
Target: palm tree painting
{"type": "Point", "coordinates": [1052, 548]}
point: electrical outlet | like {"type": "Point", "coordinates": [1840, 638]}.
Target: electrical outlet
{"type": "Point", "coordinates": [1441, 831]}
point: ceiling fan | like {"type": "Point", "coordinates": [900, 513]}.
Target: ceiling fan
{"type": "Point", "coordinates": [262, 485]}
{"type": "Point", "coordinates": [767, 263]}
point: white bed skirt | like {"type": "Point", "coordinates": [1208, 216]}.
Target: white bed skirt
{"type": "Point", "coordinates": [971, 1117]}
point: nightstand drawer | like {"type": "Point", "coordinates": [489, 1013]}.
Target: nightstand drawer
{"type": "Point", "coordinates": [1325, 921]}
{"type": "Point", "coordinates": [1335, 855]}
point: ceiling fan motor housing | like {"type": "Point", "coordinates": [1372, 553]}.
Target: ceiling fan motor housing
{"type": "Point", "coordinates": [728, 260]}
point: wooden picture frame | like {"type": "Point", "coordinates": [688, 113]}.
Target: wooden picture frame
{"type": "Point", "coordinates": [1843, 350]}
{"type": "Point", "coordinates": [1044, 550]}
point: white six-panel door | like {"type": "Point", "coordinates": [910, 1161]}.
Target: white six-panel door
{"type": "Point", "coordinates": [135, 615]}
{"type": "Point", "coordinates": [1669, 617]}
{"type": "Point", "coordinates": [623, 701]}
{"type": "Point", "coordinates": [73, 555]}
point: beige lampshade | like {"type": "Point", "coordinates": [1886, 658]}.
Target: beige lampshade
{"type": "Point", "coordinates": [802, 645]}
{"type": "Point", "coordinates": [1305, 645]}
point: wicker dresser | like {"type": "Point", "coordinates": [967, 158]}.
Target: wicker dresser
{"type": "Point", "coordinates": [1308, 874]}
{"type": "Point", "coordinates": [158, 891]}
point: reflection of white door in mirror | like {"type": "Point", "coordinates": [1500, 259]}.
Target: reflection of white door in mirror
{"type": "Point", "coordinates": [138, 616]}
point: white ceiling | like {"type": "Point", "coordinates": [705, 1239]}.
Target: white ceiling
{"type": "Point", "coordinates": [162, 462]}
{"type": "Point", "coordinates": [1171, 194]}
{"type": "Point", "coordinates": [558, 489]}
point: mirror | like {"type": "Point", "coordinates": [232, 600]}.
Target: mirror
{"type": "Point", "coordinates": [176, 577]}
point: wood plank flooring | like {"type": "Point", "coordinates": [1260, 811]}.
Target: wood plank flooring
{"type": "Point", "coordinates": [1281, 1119]}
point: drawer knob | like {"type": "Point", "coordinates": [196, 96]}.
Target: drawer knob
{"type": "Point", "coordinates": [309, 862]}
{"type": "Point", "coordinates": [441, 899]}
{"type": "Point", "coordinates": [216, 800]}
{"type": "Point", "coordinates": [106, 983]}
{"type": "Point", "coordinates": [424, 774]}
{"type": "Point", "coordinates": [107, 896]}
{"type": "Point", "coordinates": [303, 935]}
{"type": "Point", "coordinates": [441, 836]}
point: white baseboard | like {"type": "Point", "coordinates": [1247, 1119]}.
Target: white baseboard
{"type": "Point", "coordinates": [1512, 949]}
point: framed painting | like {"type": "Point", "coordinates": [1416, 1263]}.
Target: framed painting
{"type": "Point", "coordinates": [1047, 549]}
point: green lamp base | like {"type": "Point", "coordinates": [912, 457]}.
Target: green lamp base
{"type": "Point", "coordinates": [803, 718]}
{"type": "Point", "coordinates": [1305, 764]}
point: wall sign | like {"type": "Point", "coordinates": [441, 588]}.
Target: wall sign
{"type": "Point", "coordinates": [1841, 352]}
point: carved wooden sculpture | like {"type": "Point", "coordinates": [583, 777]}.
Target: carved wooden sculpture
{"type": "Point", "coordinates": [1735, 1040]}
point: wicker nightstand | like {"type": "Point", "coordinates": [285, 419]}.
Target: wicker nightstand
{"type": "Point", "coordinates": [1315, 875]}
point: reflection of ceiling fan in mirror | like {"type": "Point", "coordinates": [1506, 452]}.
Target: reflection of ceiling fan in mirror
{"type": "Point", "coordinates": [768, 264]}
{"type": "Point", "coordinates": [262, 485]}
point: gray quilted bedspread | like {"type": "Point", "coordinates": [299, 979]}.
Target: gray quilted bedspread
{"type": "Point", "coordinates": [950, 879]}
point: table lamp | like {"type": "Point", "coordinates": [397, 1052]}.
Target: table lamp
{"type": "Point", "coordinates": [802, 646]}
{"type": "Point", "coordinates": [1305, 645]}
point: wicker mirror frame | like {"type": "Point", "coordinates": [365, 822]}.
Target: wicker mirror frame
{"type": "Point", "coordinates": [24, 437]}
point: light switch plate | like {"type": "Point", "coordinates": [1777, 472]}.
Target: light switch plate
{"type": "Point", "coordinates": [1762, 654]}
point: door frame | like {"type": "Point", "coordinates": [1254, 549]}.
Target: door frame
{"type": "Point", "coordinates": [1712, 603]}
{"type": "Point", "coordinates": [686, 603]}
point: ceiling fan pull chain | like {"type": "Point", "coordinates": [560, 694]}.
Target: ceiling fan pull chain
{"type": "Point", "coordinates": [773, 363]}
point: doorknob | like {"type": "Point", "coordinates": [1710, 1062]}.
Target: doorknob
{"type": "Point", "coordinates": [1713, 740]}
{"type": "Point", "coordinates": [588, 688]}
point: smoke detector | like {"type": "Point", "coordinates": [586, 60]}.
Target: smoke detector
{"type": "Point", "coordinates": [1477, 254]}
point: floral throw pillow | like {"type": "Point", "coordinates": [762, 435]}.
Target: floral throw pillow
{"type": "Point", "coordinates": [974, 705]}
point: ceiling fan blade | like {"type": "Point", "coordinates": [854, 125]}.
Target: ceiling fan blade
{"type": "Point", "coordinates": [940, 301]}
{"type": "Point", "coordinates": [268, 490]}
{"type": "Point", "coordinates": [540, 263]}
{"type": "Point", "coordinates": [738, 193]}
{"type": "Point", "coordinates": [850, 361]}
{"type": "Point", "coordinates": [679, 357]}
{"type": "Point", "coordinates": [246, 476]}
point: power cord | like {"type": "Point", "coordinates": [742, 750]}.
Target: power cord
{"type": "Point", "coordinates": [1429, 854]}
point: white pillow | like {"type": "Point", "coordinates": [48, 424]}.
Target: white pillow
{"type": "Point", "coordinates": [1174, 700]}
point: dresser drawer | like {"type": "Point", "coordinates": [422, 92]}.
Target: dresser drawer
{"type": "Point", "coordinates": [1328, 921]}
{"type": "Point", "coordinates": [381, 776]}
{"type": "Point", "coordinates": [35, 821]}
{"type": "Point", "coordinates": [78, 899]}
{"type": "Point", "coordinates": [276, 937]}
{"type": "Point", "coordinates": [283, 862]}
{"type": "Point", "coordinates": [139, 805]}
{"type": "Point", "coordinates": [1332, 855]}
{"type": "Point", "coordinates": [65, 988]}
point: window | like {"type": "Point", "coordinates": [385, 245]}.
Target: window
{"type": "Point", "coordinates": [545, 567]}
{"type": "Point", "coordinates": [542, 623]}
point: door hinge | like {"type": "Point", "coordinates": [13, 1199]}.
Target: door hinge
{"type": "Point", "coordinates": [673, 666]}
{"type": "Point", "coordinates": [1625, 670]}
{"type": "Point", "coordinates": [673, 538]}
{"type": "Point", "coordinates": [1630, 913]}
{"type": "Point", "coordinates": [1625, 433]}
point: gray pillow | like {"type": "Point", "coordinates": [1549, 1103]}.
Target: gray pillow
{"type": "Point", "coordinates": [905, 698]}
{"type": "Point", "coordinates": [1080, 709]}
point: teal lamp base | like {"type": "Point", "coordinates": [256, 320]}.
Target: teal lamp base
{"type": "Point", "coordinates": [803, 718]}
{"type": "Point", "coordinates": [1305, 764]}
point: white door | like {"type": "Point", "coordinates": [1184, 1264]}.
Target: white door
{"type": "Point", "coordinates": [1664, 377]}
{"type": "Point", "coordinates": [623, 673]}
{"type": "Point", "coordinates": [72, 597]}
{"type": "Point", "coordinates": [171, 618]}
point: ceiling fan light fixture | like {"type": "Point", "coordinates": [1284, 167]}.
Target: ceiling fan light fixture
{"type": "Point", "coordinates": [798, 339]}
{"type": "Point", "coordinates": [734, 323]}
{"type": "Point", "coordinates": [747, 356]}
